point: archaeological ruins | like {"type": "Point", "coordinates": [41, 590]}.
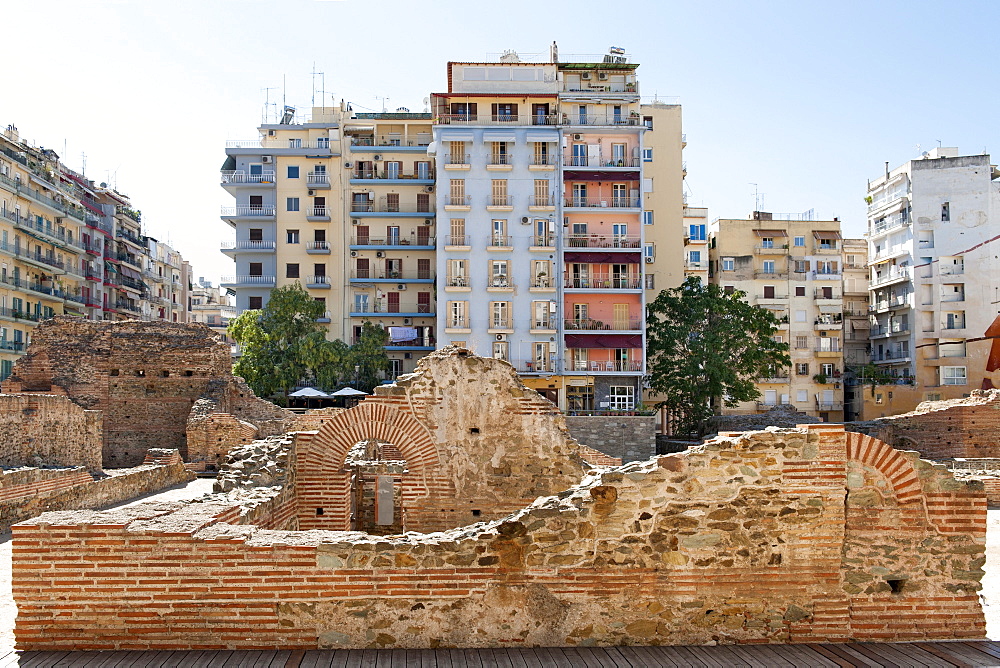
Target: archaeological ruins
{"type": "Point", "coordinates": [454, 509]}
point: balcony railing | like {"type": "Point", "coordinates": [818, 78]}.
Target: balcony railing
{"type": "Point", "coordinates": [534, 366]}
{"type": "Point", "coordinates": [248, 245]}
{"type": "Point", "coordinates": [498, 241]}
{"type": "Point", "coordinates": [891, 276]}
{"type": "Point", "coordinates": [544, 200]}
{"type": "Point", "coordinates": [457, 282]}
{"type": "Point", "coordinates": [318, 280]}
{"type": "Point", "coordinates": [603, 282]}
{"type": "Point", "coordinates": [457, 240]}
{"type": "Point", "coordinates": [317, 179]}
{"type": "Point", "coordinates": [390, 207]}
{"type": "Point", "coordinates": [540, 160]}
{"type": "Point", "coordinates": [544, 323]}
{"type": "Point", "coordinates": [770, 275]}
{"type": "Point", "coordinates": [277, 144]}
{"type": "Point", "coordinates": [499, 282]}
{"type": "Point", "coordinates": [377, 175]}
{"type": "Point", "coordinates": [598, 241]}
{"type": "Point", "coordinates": [500, 200]}
{"type": "Point", "coordinates": [497, 119]}
{"type": "Point", "coordinates": [831, 349]}
{"type": "Point", "coordinates": [318, 246]}
{"type": "Point", "coordinates": [597, 161]}
{"type": "Point", "coordinates": [895, 328]}
{"type": "Point", "coordinates": [543, 240]}
{"type": "Point", "coordinates": [543, 282]}
{"type": "Point", "coordinates": [829, 405]}
{"type": "Point", "coordinates": [603, 365]}
{"type": "Point", "coordinates": [453, 322]}
{"type": "Point", "coordinates": [266, 281]}
{"type": "Point", "coordinates": [318, 212]}
{"type": "Point", "coordinates": [241, 177]}
{"type": "Point", "coordinates": [247, 211]}
{"type": "Point", "coordinates": [33, 225]}
{"type": "Point", "coordinates": [456, 159]}
{"type": "Point", "coordinates": [458, 200]}
{"type": "Point", "coordinates": [500, 159]}
{"type": "Point", "coordinates": [773, 296]}
{"type": "Point", "coordinates": [385, 307]}
{"type": "Point", "coordinates": [631, 323]}
{"type": "Point", "coordinates": [500, 323]}
{"type": "Point", "coordinates": [819, 294]}
{"type": "Point", "coordinates": [602, 119]}
{"type": "Point", "coordinates": [380, 275]}
{"type": "Point", "coordinates": [391, 140]}
{"type": "Point", "coordinates": [603, 202]}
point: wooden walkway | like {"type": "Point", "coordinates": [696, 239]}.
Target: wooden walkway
{"type": "Point", "coordinates": [980, 653]}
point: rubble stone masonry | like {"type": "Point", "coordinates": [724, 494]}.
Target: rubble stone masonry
{"type": "Point", "coordinates": [786, 535]}
{"type": "Point", "coordinates": [48, 430]}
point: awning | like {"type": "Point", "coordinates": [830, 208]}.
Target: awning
{"type": "Point", "coordinates": [542, 137]}
{"type": "Point", "coordinates": [110, 267]}
{"type": "Point", "coordinates": [575, 175]}
{"type": "Point", "coordinates": [602, 258]}
{"type": "Point", "coordinates": [830, 309]}
{"type": "Point", "coordinates": [498, 136]}
{"type": "Point", "coordinates": [826, 234]}
{"type": "Point", "coordinates": [69, 311]}
{"type": "Point", "coordinates": [770, 233]}
{"type": "Point", "coordinates": [131, 273]}
{"type": "Point", "coordinates": [398, 334]}
{"type": "Point", "coordinates": [860, 323]}
{"type": "Point", "coordinates": [359, 128]}
{"type": "Point", "coordinates": [604, 341]}
{"type": "Point", "coordinates": [229, 165]}
{"type": "Point", "coordinates": [456, 136]}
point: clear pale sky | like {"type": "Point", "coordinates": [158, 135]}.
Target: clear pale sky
{"type": "Point", "coordinates": [806, 99]}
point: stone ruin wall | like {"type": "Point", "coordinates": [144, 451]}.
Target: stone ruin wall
{"type": "Point", "coordinates": [145, 377]}
{"type": "Point", "coordinates": [477, 443]}
{"type": "Point", "coordinates": [968, 428]}
{"type": "Point", "coordinates": [745, 539]}
{"type": "Point", "coordinates": [48, 430]}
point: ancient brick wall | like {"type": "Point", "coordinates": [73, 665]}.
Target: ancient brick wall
{"type": "Point", "coordinates": [742, 539]}
{"type": "Point", "coordinates": [209, 438]}
{"type": "Point", "coordinates": [48, 430]}
{"type": "Point", "coordinates": [944, 429]}
{"type": "Point", "coordinates": [478, 445]}
{"type": "Point", "coordinates": [23, 492]}
{"type": "Point", "coordinates": [145, 377]}
{"type": "Point", "coordinates": [629, 437]}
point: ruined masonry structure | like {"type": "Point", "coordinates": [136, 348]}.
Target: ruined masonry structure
{"type": "Point", "coordinates": [785, 535]}
{"type": "Point", "coordinates": [147, 379]}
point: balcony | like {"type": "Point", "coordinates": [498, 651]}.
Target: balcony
{"type": "Point", "coordinates": [460, 323]}
{"type": "Point", "coordinates": [130, 237]}
{"type": "Point", "coordinates": [545, 162]}
{"type": "Point", "coordinates": [381, 307]}
{"type": "Point", "coordinates": [236, 178]}
{"type": "Point", "coordinates": [500, 203]}
{"type": "Point", "coordinates": [246, 281]}
{"type": "Point", "coordinates": [392, 177]}
{"type": "Point", "coordinates": [891, 277]}
{"type": "Point", "coordinates": [603, 282]}
{"type": "Point", "coordinates": [457, 202]}
{"type": "Point", "coordinates": [319, 180]}
{"type": "Point", "coordinates": [892, 329]}
{"type": "Point", "coordinates": [130, 307]}
{"type": "Point", "coordinates": [497, 324]}
{"type": "Point", "coordinates": [232, 247]}
{"type": "Point", "coordinates": [766, 299]}
{"type": "Point", "coordinates": [888, 224]}
{"type": "Point", "coordinates": [589, 366]}
{"type": "Point", "coordinates": [390, 209]}
{"type": "Point", "coordinates": [541, 203]}
{"type": "Point", "coordinates": [826, 249]}
{"type": "Point", "coordinates": [829, 405]}
{"type": "Point", "coordinates": [390, 142]}
{"type": "Point", "coordinates": [318, 282]}
{"type": "Point", "coordinates": [457, 161]}
{"type": "Point", "coordinates": [420, 343]}
{"type": "Point", "coordinates": [16, 186]}
{"type": "Point", "coordinates": [287, 146]}
{"type": "Point", "coordinates": [499, 284]}
{"type": "Point", "coordinates": [43, 231]}
{"type": "Point", "coordinates": [832, 323]}
{"type": "Point", "coordinates": [391, 242]}
{"type": "Point", "coordinates": [768, 405]}
{"type": "Point", "coordinates": [10, 346]}
{"type": "Point", "coordinates": [598, 241]}
{"type": "Point", "coordinates": [832, 295]}
{"type": "Point", "coordinates": [497, 119]}
{"type": "Point", "coordinates": [602, 162]}
{"type": "Point", "coordinates": [771, 275]}
{"type": "Point", "coordinates": [499, 242]}
{"type": "Point", "coordinates": [373, 276]}
{"type": "Point", "coordinates": [773, 380]}
{"type": "Point", "coordinates": [533, 366]}
{"type": "Point", "coordinates": [457, 242]}
{"type": "Point", "coordinates": [544, 324]}
{"type": "Point", "coordinates": [617, 120]}
{"type": "Point", "coordinates": [542, 284]}
{"type": "Point", "coordinates": [232, 213]}
{"type": "Point", "coordinates": [602, 202]}
{"type": "Point", "coordinates": [630, 324]}
{"type": "Point", "coordinates": [500, 162]}
{"type": "Point", "coordinates": [543, 242]}
{"type": "Point", "coordinates": [832, 351]}
{"type": "Point", "coordinates": [457, 284]}
{"type": "Point", "coordinates": [317, 214]}
{"type": "Point", "coordinates": [318, 247]}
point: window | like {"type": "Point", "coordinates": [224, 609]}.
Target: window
{"type": "Point", "coordinates": [320, 269]}
{"type": "Point", "coordinates": [291, 204]}
{"type": "Point", "coordinates": [728, 264]}
{"type": "Point", "coordinates": [256, 234]}
{"type": "Point", "coordinates": [500, 315]}
{"type": "Point", "coordinates": [294, 143]}
{"type": "Point", "coordinates": [621, 398]}
{"type": "Point", "coordinates": [767, 242]}
{"type": "Point", "coordinates": [945, 217]}
{"type": "Point", "coordinates": [694, 256]}
{"type": "Point", "coordinates": [800, 316]}
{"type": "Point", "coordinates": [499, 191]}
{"type": "Point", "coordinates": [256, 268]}
{"type": "Point", "coordinates": [647, 155]}
{"type": "Point", "coordinates": [800, 291]}
{"type": "Point", "coordinates": [826, 369]}
{"type": "Point", "coordinates": [457, 232]}
{"type": "Point", "coordinates": [953, 375]}
{"type": "Point", "coordinates": [729, 289]}
{"type": "Point", "coordinates": [647, 217]}
{"type": "Point", "coordinates": [801, 396]}
{"type": "Point", "coordinates": [291, 271]}
{"type": "Point", "coordinates": [499, 236]}
{"type": "Point", "coordinates": [456, 315]}
{"type": "Point", "coordinates": [827, 344]}
{"type": "Point", "coordinates": [799, 241]}
{"type": "Point", "coordinates": [255, 303]}
{"type": "Point", "coordinates": [499, 155]}
{"type": "Point", "coordinates": [456, 152]}
{"type": "Point", "coordinates": [650, 282]}
{"type": "Point", "coordinates": [293, 171]}
{"type": "Point", "coordinates": [499, 274]}
{"type": "Point", "coordinates": [696, 232]}
{"type": "Point", "coordinates": [457, 192]}
{"type": "Point", "coordinates": [802, 368]}
{"type": "Point", "coordinates": [542, 192]}
{"type": "Point", "coordinates": [768, 266]}
{"type": "Point", "coordinates": [800, 266]}
{"type": "Point", "coordinates": [457, 273]}
{"type": "Point", "coordinates": [648, 250]}
{"type": "Point", "coordinates": [291, 236]}
{"type": "Point", "coordinates": [500, 350]}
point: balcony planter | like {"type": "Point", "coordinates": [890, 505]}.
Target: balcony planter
{"type": "Point", "coordinates": [820, 378]}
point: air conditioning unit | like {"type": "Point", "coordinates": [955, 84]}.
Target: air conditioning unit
{"type": "Point", "coordinates": [371, 195]}
{"type": "Point", "coordinates": [407, 356]}
{"type": "Point", "coordinates": [267, 159]}
{"type": "Point", "coordinates": [649, 260]}
{"type": "Point", "coordinates": [379, 254]}
{"type": "Point", "coordinates": [348, 165]}
{"type": "Point", "coordinates": [354, 253]}
{"type": "Point", "coordinates": [270, 133]}
{"type": "Point", "coordinates": [525, 220]}
{"type": "Point", "coordinates": [354, 221]}
{"type": "Point", "coordinates": [577, 137]}
{"type": "Point", "coordinates": [428, 221]}
{"type": "Point", "coordinates": [603, 76]}
{"type": "Point", "coordinates": [429, 189]}
{"type": "Point", "coordinates": [401, 287]}
{"type": "Point", "coordinates": [407, 321]}
{"type": "Point", "coordinates": [501, 337]}
{"type": "Point", "coordinates": [311, 193]}
{"type": "Point", "coordinates": [376, 157]}
{"type": "Point", "coordinates": [585, 76]}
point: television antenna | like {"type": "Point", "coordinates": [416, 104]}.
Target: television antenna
{"type": "Point", "coordinates": [267, 103]}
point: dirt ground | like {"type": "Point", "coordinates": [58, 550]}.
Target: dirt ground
{"type": "Point", "coordinates": [196, 488]}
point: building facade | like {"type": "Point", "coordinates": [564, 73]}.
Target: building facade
{"type": "Point", "coordinates": [931, 228]}
{"type": "Point", "coordinates": [792, 267]}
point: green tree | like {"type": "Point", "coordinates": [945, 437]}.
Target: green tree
{"type": "Point", "coordinates": [705, 348]}
{"type": "Point", "coordinates": [282, 345]}
{"type": "Point", "coordinates": [870, 374]}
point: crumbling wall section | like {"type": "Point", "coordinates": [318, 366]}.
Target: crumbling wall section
{"type": "Point", "coordinates": [743, 539]}
{"type": "Point", "coordinates": [210, 438]}
{"type": "Point", "coordinates": [49, 430]}
{"type": "Point", "coordinates": [968, 427]}
{"type": "Point", "coordinates": [630, 438]}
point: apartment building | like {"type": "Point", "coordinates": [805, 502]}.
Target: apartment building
{"type": "Point", "coordinates": [856, 323]}
{"type": "Point", "coordinates": [212, 306]}
{"type": "Point", "coordinates": [666, 218]}
{"type": "Point", "coordinates": [791, 266]}
{"type": "Point", "coordinates": [168, 283]}
{"type": "Point", "coordinates": [695, 245]}
{"type": "Point", "coordinates": [935, 278]}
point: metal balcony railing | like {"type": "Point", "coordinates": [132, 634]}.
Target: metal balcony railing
{"type": "Point", "coordinates": [599, 161]}
{"type": "Point", "coordinates": [497, 119]}
{"type": "Point", "coordinates": [318, 212]}
{"type": "Point", "coordinates": [317, 245]}
{"type": "Point", "coordinates": [458, 200]}
{"type": "Point", "coordinates": [249, 280]}
{"type": "Point", "coordinates": [500, 323]}
{"type": "Point", "coordinates": [457, 159]}
{"type": "Point", "coordinates": [386, 307]}
{"type": "Point", "coordinates": [603, 202]}
{"type": "Point", "coordinates": [457, 240]}
{"type": "Point", "coordinates": [498, 241]}
{"type": "Point", "coordinates": [500, 159]}
{"type": "Point", "coordinates": [603, 282]}
{"type": "Point", "coordinates": [392, 139]}
{"type": "Point", "coordinates": [500, 200]}
{"type": "Point", "coordinates": [377, 274]}
{"type": "Point", "coordinates": [247, 211]}
{"type": "Point", "coordinates": [632, 323]}
{"type": "Point", "coordinates": [317, 179]}
{"type": "Point", "coordinates": [453, 322]}
{"type": "Point", "coordinates": [534, 366]}
{"type": "Point", "coordinates": [546, 240]}
{"type": "Point", "coordinates": [457, 282]}
{"type": "Point", "coordinates": [499, 282]}
{"type": "Point", "coordinates": [540, 160]}
{"type": "Point", "coordinates": [241, 177]}
{"type": "Point", "coordinates": [599, 241]}
{"type": "Point", "coordinates": [603, 365]}
{"type": "Point", "coordinates": [542, 200]}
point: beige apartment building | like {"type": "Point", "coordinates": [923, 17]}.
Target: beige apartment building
{"type": "Point", "coordinates": [856, 325]}
{"type": "Point", "coordinates": [696, 243]}
{"type": "Point", "coordinates": [666, 228]}
{"type": "Point", "coordinates": [793, 268]}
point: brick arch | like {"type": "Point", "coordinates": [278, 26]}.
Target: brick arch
{"type": "Point", "coordinates": [888, 461]}
{"type": "Point", "coordinates": [322, 482]}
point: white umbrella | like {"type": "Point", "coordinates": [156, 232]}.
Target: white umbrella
{"type": "Point", "coordinates": [311, 392]}
{"type": "Point", "coordinates": [348, 392]}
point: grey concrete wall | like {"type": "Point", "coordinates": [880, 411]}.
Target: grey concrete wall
{"type": "Point", "coordinates": [633, 438]}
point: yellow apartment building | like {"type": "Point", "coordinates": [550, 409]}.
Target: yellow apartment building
{"type": "Point", "coordinates": [666, 230]}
